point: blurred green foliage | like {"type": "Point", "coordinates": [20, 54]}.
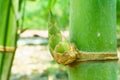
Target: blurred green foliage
{"type": "Point", "coordinates": [37, 12]}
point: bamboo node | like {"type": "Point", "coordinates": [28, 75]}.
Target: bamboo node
{"type": "Point", "coordinates": [7, 49]}
{"type": "Point", "coordinates": [75, 56]}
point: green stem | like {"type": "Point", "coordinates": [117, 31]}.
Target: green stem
{"type": "Point", "coordinates": [8, 36]}
{"type": "Point", "coordinates": [93, 29]}
{"type": "Point", "coordinates": [5, 38]}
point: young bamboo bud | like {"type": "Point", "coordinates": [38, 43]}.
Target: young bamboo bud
{"type": "Point", "coordinates": [54, 40]}
{"type": "Point", "coordinates": [54, 33]}
{"type": "Point", "coordinates": [60, 48]}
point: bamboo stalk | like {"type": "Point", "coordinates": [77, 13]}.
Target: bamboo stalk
{"type": "Point", "coordinates": [8, 36]}
{"type": "Point", "coordinates": [93, 29]}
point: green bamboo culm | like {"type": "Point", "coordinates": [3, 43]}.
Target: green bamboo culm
{"type": "Point", "coordinates": [8, 38]}
{"type": "Point", "coordinates": [118, 8]}
{"type": "Point", "coordinates": [118, 13]}
{"type": "Point", "coordinates": [93, 29]}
